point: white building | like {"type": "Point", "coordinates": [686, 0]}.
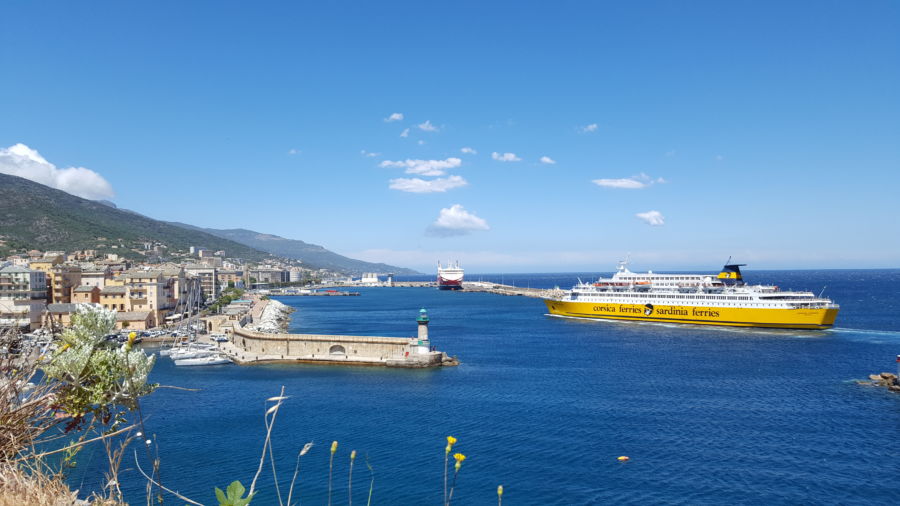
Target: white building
{"type": "Point", "coordinates": [23, 297]}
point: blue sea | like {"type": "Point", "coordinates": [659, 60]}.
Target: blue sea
{"type": "Point", "coordinates": [545, 405]}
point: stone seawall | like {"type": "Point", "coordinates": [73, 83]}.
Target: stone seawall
{"type": "Point", "coordinates": [248, 346]}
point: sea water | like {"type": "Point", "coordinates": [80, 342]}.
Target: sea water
{"type": "Point", "coordinates": [545, 405]}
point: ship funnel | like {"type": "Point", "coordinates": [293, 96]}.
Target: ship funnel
{"type": "Point", "coordinates": [731, 275]}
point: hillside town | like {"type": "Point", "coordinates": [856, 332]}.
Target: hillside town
{"type": "Point", "coordinates": [42, 289]}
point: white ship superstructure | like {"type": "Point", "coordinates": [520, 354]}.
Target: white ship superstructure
{"type": "Point", "coordinates": [450, 277]}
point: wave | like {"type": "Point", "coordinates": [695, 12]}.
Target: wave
{"type": "Point", "coordinates": [868, 332]}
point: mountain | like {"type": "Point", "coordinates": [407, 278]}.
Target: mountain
{"type": "Point", "coordinates": [34, 216]}
{"type": "Point", "coordinates": [311, 254]}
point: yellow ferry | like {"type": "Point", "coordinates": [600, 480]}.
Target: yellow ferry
{"type": "Point", "coordinates": [702, 299]}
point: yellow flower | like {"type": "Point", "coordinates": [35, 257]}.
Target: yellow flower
{"type": "Point", "coordinates": [65, 347]}
{"type": "Point", "coordinates": [459, 460]}
{"type": "Point", "coordinates": [353, 455]}
{"type": "Point", "coordinates": [500, 490]}
{"type": "Point", "coordinates": [450, 442]}
{"type": "Point", "coordinates": [333, 446]}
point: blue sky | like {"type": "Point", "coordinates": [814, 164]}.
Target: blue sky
{"type": "Point", "coordinates": [766, 131]}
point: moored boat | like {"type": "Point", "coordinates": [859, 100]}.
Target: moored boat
{"type": "Point", "coordinates": [195, 350]}
{"type": "Point", "coordinates": [704, 299]}
{"type": "Point", "coordinates": [216, 359]}
{"type": "Point", "coordinates": [450, 277]}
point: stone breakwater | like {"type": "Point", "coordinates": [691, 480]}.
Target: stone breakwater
{"type": "Point", "coordinates": [274, 318]}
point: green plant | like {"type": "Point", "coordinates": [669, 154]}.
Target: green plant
{"type": "Point", "coordinates": [234, 495]}
{"type": "Point", "coordinates": [94, 376]}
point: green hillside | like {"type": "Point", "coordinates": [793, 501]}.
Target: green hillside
{"type": "Point", "coordinates": [312, 255]}
{"type": "Point", "coordinates": [34, 216]}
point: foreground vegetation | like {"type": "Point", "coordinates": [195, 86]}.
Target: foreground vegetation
{"type": "Point", "coordinates": [88, 392]}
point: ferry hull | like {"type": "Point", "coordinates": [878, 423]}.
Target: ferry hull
{"type": "Point", "coordinates": [448, 284]}
{"type": "Point", "coordinates": [698, 315]}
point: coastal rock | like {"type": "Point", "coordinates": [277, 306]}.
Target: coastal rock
{"type": "Point", "coordinates": [885, 379]}
{"type": "Point", "coordinates": [274, 318]}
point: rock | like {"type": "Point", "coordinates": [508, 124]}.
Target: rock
{"type": "Point", "coordinates": [894, 388]}
{"type": "Point", "coordinates": [875, 377]}
{"type": "Point", "coordinates": [888, 376]}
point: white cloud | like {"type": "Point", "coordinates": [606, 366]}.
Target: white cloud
{"type": "Point", "coordinates": [631, 183]}
{"type": "Point", "coordinates": [421, 142]}
{"type": "Point", "coordinates": [424, 167]}
{"type": "Point", "coordinates": [427, 126]}
{"type": "Point", "coordinates": [547, 159]}
{"type": "Point", "coordinates": [293, 151]}
{"type": "Point", "coordinates": [589, 128]}
{"type": "Point", "coordinates": [505, 157]}
{"type": "Point", "coordinates": [368, 154]}
{"type": "Point", "coordinates": [20, 160]}
{"type": "Point", "coordinates": [719, 158]}
{"type": "Point", "coordinates": [654, 218]}
{"type": "Point", "coordinates": [416, 185]}
{"type": "Point", "coordinates": [404, 133]}
{"type": "Point", "coordinates": [397, 116]}
{"type": "Point", "coordinates": [455, 220]}
{"type": "Point", "coordinates": [469, 151]}
{"type": "Point", "coordinates": [626, 183]}
{"type": "Point", "coordinates": [670, 153]}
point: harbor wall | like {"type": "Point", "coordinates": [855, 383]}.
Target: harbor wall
{"type": "Point", "coordinates": [398, 351]}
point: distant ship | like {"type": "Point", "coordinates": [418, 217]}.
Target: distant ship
{"type": "Point", "coordinates": [449, 278]}
{"type": "Point", "coordinates": [703, 299]}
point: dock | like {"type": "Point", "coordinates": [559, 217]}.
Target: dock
{"type": "Point", "coordinates": [468, 286]}
{"type": "Point", "coordinates": [246, 346]}
{"type": "Point", "coordinates": [499, 289]}
{"type": "Point", "coordinates": [308, 293]}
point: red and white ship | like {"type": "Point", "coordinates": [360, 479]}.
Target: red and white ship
{"type": "Point", "coordinates": [450, 278]}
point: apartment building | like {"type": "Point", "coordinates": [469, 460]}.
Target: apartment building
{"type": "Point", "coordinates": [23, 296]}
{"type": "Point", "coordinates": [61, 280]}
{"type": "Point", "coordinates": [209, 283]}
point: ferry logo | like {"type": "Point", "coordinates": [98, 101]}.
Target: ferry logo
{"type": "Point", "coordinates": [648, 309]}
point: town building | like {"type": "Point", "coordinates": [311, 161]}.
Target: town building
{"type": "Point", "coordinates": [114, 297]}
{"type": "Point", "coordinates": [86, 294]}
{"type": "Point", "coordinates": [59, 316]}
{"type": "Point", "coordinates": [23, 295]}
{"type": "Point", "coordinates": [95, 274]}
{"type": "Point", "coordinates": [61, 280]}
{"type": "Point", "coordinates": [209, 283]}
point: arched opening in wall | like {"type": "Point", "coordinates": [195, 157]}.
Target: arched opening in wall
{"type": "Point", "coordinates": [337, 350]}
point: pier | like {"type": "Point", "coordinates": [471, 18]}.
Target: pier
{"type": "Point", "coordinates": [497, 288]}
{"type": "Point", "coordinates": [468, 286]}
{"type": "Point", "coordinates": [247, 347]}
{"type": "Point", "coordinates": [311, 293]}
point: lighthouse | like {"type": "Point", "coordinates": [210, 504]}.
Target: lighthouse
{"type": "Point", "coordinates": [424, 345]}
{"type": "Point", "coordinates": [422, 320]}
